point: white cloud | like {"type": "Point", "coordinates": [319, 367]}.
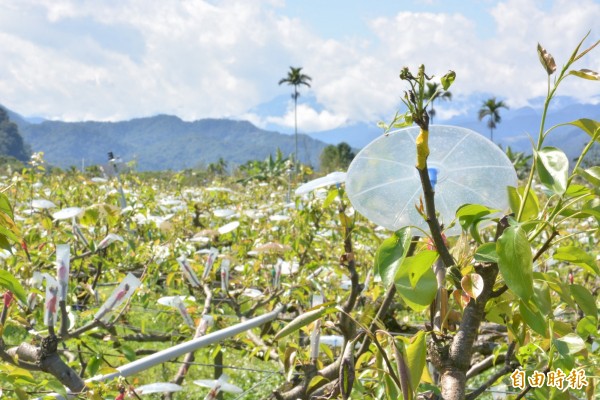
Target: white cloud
{"type": "Point", "coordinates": [506, 64]}
{"type": "Point", "coordinates": [198, 60]}
{"type": "Point", "coordinates": [309, 119]}
{"type": "Point", "coordinates": [75, 60]}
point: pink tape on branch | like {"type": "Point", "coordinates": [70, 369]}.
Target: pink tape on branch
{"type": "Point", "coordinates": [118, 296]}
{"type": "Point", "coordinates": [63, 254]}
{"type": "Point", "coordinates": [108, 240]}
{"type": "Point", "coordinates": [210, 261]}
{"type": "Point", "coordinates": [315, 335]}
{"type": "Point", "coordinates": [277, 274]}
{"type": "Point", "coordinates": [51, 304]}
{"type": "Point", "coordinates": [225, 274]}
{"type": "Point", "coordinates": [188, 272]}
{"type": "Point", "coordinates": [178, 304]}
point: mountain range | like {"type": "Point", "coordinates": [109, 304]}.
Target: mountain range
{"type": "Point", "coordinates": [161, 142]}
{"type": "Point", "coordinates": [165, 142]}
{"type": "Point", "coordinates": [517, 129]}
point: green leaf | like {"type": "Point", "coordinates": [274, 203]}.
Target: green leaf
{"type": "Point", "coordinates": [316, 381]}
{"type": "Point", "coordinates": [8, 234]}
{"type": "Point", "coordinates": [305, 319]}
{"type": "Point", "coordinates": [128, 352]}
{"type": "Point", "coordinates": [533, 317]}
{"type": "Point", "coordinates": [448, 79]}
{"type": "Point", "coordinates": [592, 175]}
{"type": "Point", "coordinates": [532, 205]}
{"type": "Point", "coordinates": [560, 328]}
{"type": "Point", "coordinates": [21, 394]}
{"type": "Point", "coordinates": [541, 297]}
{"type": "Point", "coordinates": [553, 169]}
{"type": "Point", "coordinates": [90, 217]}
{"type": "Point", "coordinates": [472, 284]}
{"type": "Point", "coordinates": [579, 191]}
{"type": "Point", "coordinates": [515, 261]}
{"type": "Point", "coordinates": [390, 255]}
{"type": "Point", "coordinates": [8, 228]}
{"type": "Point", "coordinates": [470, 215]}
{"type": "Point", "coordinates": [486, 253]}
{"type": "Point", "coordinates": [9, 282]}
{"type": "Point", "coordinates": [5, 206]}
{"type": "Point", "coordinates": [585, 211]}
{"type": "Point", "coordinates": [586, 74]}
{"type": "Point", "coordinates": [585, 300]}
{"type": "Point", "coordinates": [587, 326]}
{"type": "Point", "coordinates": [330, 197]}
{"type": "Point", "coordinates": [419, 297]}
{"type": "Point", "coordinates": [391, 390]}
{"type": "Point", "coordinates": [589, 126]}
{"type": "Point", "coordinates": [21, 373]}
{"type": "Point", "coordinates": [416, 356]}
{"type": "Point", "coordinates": [557, 285]}
{"type": "Point", "coordinates": [569, 344]}
{"type": "Point", "coordinates": [56, 386]}
{"type": "Point", "coordinates": [94, 364]}
{"type": "Point", "coordinates": [577, 256]}
{"type": "Point", "coordinates": [418, 264]}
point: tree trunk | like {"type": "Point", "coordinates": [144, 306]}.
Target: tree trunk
{"type": "Point", "coordinates": [296, 130]}
{"type": "Point", "coordinates": [454, 359]}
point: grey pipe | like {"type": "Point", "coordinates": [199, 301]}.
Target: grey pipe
{"type": "Point", "coordinates": [187, 347]}
{"type": "Point", "coordinates": [183, 348]}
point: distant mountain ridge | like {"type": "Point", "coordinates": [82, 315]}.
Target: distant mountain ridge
{"type": "Point", "coordinates": [515, 129]}
{"type": "Point", "coordinates": [161, 142]}
{"type": "Point", "coordinates": [166, 142]}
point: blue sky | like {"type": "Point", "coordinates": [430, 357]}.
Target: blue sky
{"type": "Point", "coordinates": [119, 59]}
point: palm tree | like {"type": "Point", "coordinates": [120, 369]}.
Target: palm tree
{"type": "Point", "coordinates": [431, 93]}
{"type": "Point", "coordinates": [491, 108]}
{"type": "Point", "coordinates": [295, 78]}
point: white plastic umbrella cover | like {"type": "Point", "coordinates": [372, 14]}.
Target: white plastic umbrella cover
{"type": "Point", "coordinates": [466, 168]}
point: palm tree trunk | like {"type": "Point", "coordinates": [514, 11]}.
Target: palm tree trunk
{"type": "Point", "coordinates": [296, 130]}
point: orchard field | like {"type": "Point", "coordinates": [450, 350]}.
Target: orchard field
{"type": "Point", "coordinates": [100, 271]}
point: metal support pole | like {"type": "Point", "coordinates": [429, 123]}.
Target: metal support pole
{"type": "Point", "coordinates": [187, 347]}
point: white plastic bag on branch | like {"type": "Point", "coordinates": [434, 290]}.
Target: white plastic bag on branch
{"type": "Point", "coordinates": [51, 304]}
{"type": "Point", "coordinates": [225, 274]}
{"type": "Point", "coordinates": [178, 304]}
{"type": "Point", "coordinates": [212, 256]}
{"type": "Point", "coordinates": [63, 254]}
{"type": "Point", "coordinates": [118, 296]}
{"type": "Point", "coordinates": [188, 272]}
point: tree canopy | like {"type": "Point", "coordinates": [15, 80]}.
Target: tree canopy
{"type": "Point", "coordinates": [491, 108]}
{"type": "Point", "coordinates": [336, 157]}
{"type": "Point", "coordinates": [11, 142]}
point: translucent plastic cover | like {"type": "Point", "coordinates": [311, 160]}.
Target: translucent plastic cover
{"type": "Point", "coordinates": [383, 183]}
